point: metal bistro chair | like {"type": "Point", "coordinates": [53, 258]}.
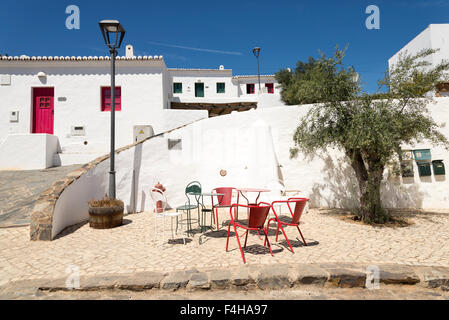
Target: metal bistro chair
{"type": "Point", "coordinates": [193, 189]}
{"type": "Point", "coordinates": [300, 204]}
{"type": "Point", "coordinates": [224, 201]}
{"type": "Point", "coordinates": [160, 204]}
{"type": "Point", "coordinates": [257, 216]}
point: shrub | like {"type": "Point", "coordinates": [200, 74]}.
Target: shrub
{"type": "Point", "coordinates": [106, 202]}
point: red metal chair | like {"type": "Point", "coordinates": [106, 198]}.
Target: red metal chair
{"type": "Point", "coordinates": [224, 201]}
{"type": "Point", "coordinates": [257, 215]}
{"type": "Point", "coordinates": [300, 204]}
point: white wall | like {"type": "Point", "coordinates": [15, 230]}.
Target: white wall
{"type": "Point", "coordinates": [440, 40]}
{"type": "Point", "coordinates": [72, 206]}
{"type": "Point", "coordinates": [77, 84]}
{"type": "Point", "coordinates": [188, 78]}
{"type": "Point", "coordinates": [421, 41]}
{"type": "Point", "coordinates": [176, 118]}
{"type": "Point", "coordinates": [167, 88]}
{"type": "Point", "coordinates": [242, 81]}
{"type": "Point", "coordinates": [435, 36]}
{"type": "Point", "coordinates": [207, 148]}
{"type": "Point", "coordinates": [235, 87]}
{"type": "Point", "coordinates": [80, 87]}
{"type": "Point", "coordinates": [254, 148]}
{"type": "Point", "coordinates": [28, 151]}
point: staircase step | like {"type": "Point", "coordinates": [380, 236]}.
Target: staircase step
{"type": "Point", "coordinates": [67, 159]}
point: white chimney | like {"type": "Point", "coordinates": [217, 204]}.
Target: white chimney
{"type": "Point", "coordinates": [129, 51]}
{"type": "Point", "coordinates": [221, 67]}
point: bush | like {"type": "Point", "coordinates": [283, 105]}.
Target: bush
{"type": "Point", "coordinates": [106, 202]}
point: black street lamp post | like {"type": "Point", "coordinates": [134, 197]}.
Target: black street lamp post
{"type": "Point", "coordinates": [113, 34]}
{"type": "Point", "coordinates": [256, 52]}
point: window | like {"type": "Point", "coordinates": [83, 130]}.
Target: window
{"type": "Point", "coordinates": [44, 102]}
{"type": "Point", "coordinates": [220, 87]}
{"type": "Point", "coordinates": [270, 87]}
{"type": "Point", "coordinates": [177, 87]}
{"type": "Point", "coordinates": [106, 99]}
{"type": "Point", "coordinates": [249, 88]}
{"type": "Point", "coordinates": [199, 90]}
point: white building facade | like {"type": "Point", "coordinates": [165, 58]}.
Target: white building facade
{"type": "Point", "coordinates": [219, 85]}
{"type": "Point", "coordinates": [68, 98]}
{"type": "Point", "coordinates": [435, 36]}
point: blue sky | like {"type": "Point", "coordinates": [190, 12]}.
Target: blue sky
{"type": "Point", "coordinates": [206, 34]}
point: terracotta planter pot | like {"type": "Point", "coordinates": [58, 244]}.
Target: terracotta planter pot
{"type": "Point", "coordinates": [105, 217]}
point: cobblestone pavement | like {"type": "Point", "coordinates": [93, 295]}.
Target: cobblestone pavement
{"type": "Point", "coordinates": [131, 248]}
{"type": "Point", "coordinates": [306, 293]}
{"type": "Point", "coordinates": [20, 189]}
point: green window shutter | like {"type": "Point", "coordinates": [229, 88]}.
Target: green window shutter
{"type": "Point", "coordinates": [220, 87]}
{"type": "Point", "coordinates": [199, 90]}
{"type": "Point", "coordinates": [177, 87]}
{"type": "Point", "coordinates": [438, 167]}
{"type": "Point", "coordinates": [424, 169]}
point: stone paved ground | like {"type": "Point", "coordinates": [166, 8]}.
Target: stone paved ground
{"type": "Point", "coordinates": [130, 248]}
{"type": "Point", "coordinates": [20, 189]}
{"type": "Point", "coordinates": [305, 293]}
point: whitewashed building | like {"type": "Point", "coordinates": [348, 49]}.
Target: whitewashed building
{"type": "Point", "coordinates": [55, 110]}
{"type": "Point", "coordinates": [435, 36]}
{"type": "Point", "coordinates": [219, 92]}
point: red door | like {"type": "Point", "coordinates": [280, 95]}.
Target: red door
{"type": "Point", "coordinates": [43, 110]}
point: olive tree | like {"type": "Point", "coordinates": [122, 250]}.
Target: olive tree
{"type": "Point", "coordinates": [370, 129]}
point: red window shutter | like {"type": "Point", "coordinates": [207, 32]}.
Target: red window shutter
{"type": "Point", "coordinates": [250, 88]}
{"type": "Point", "coordinates": [106, 99]}
{"type": "Point", "coordinates": [270, 87]}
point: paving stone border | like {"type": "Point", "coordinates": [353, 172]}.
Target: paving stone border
{"type": "Point", "coordinates": [42, 214]}
{"type": "Point", "coordinates": [263, 277]}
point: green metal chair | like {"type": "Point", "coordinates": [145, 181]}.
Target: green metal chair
{"type": "Point", "coordinates": [194, 190]}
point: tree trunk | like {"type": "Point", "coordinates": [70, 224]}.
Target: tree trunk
{"type": "Point", "coordinates": [370, 202]}
{"type": "Point", "coordinates": [369, 177]}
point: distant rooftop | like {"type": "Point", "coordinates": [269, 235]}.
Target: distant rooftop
{"type": "Point", "coordinates": [78, 58]}
{"type": "Point", "coordinates": [254, 76]}
{"type": "Point", "coordinates": [197, 69]}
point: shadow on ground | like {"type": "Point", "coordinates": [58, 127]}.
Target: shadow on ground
{"type": "Point", "coordinates": [404, 217]}
{"type": "Point", "coordinates": [179, 241]}
{"type": "Point", "coordinates": [69, 230]}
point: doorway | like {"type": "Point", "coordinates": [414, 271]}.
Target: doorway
{"type": "Point", "coordinates": [43, 110]}
{"type": "Point", "coordinates": [199, 90]}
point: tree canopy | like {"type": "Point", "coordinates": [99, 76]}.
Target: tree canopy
{"type": "Point", "coordinates": [317, 80]}
{"type": "Point", "coordinates": [369, 128]}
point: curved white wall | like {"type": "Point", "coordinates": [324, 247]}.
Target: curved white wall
{"type": "Point", "coordinates": [254, 148]}
{"type": "Point", "coordinates": [72, 206]}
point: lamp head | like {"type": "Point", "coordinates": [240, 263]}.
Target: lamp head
{"type": "Point", "coordinates": [113, 33]}
{"type": "Point", "coordinates": [256, 51]}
